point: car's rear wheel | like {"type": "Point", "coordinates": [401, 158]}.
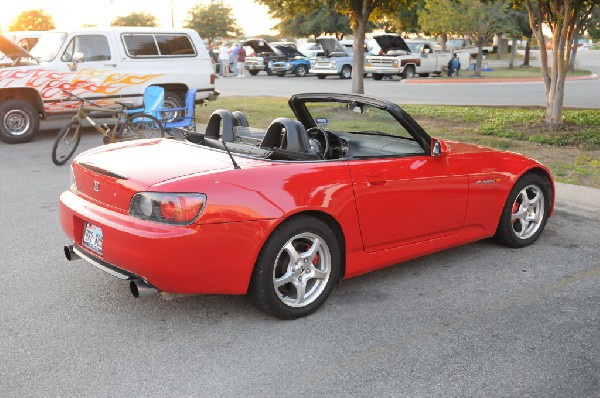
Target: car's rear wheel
{"type": "Point", "coordinates": [525, 212]}
{"type": "Point", "coordinates": [19, 121]}
{"type": "Point", "coordinates": [296, 268]}
{"type": "Point", "coordinates": [423, 74]}
{"type": "Point", "coordinates": [301, 70]}
{"type": "Point", "coordinates": [409, 72]}
{"type": "Point", "coordinates": [66, 142]}
{"type": "Point", "coordinates": [172, 100]}
{"type": "Point", "coordinates": [346, 72]}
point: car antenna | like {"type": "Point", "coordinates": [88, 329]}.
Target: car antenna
{"type": "Point", "coordinates": [235, 165]}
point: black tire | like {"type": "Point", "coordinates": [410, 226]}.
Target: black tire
{"type": "Point", "coordinates": [301, 71]}
{"type": "Point", "coordinates": [321, 77]}
{"type": "Point", "coordinates": [377, 76]}
{"type": "Point", "coordinates": [19, 121]}
{"type": "Point", "coordinates": [423, 74]}
{"type": "Point", "coordinates": [346, 72]}
{"type": "Point", "coordinates": [314, 273]}
{"type": "Point", "coordinates": [253, 72]}
{"type": "Point", "coordinates": [140, 125]}
{"type": "Point", "coordinates": [280, 74]}
{"type": "Point", "coordinates": [270, 72]}
{"type": "Point", "coordinates": [66, 142]}
{"type": "Point", "coordinates": [409, 72]}
{"type": "Point", "coordinates": [530, 197]}
{"type": "Point", "coordinates": [172, 100]}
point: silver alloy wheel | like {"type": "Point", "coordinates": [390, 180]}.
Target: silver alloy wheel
{"type": "Point", "coordinates": [302, 269]}
{"type": "Point", "coordinates": [528, 212]}
{"type": "Point", "coordinates": [16, 122]}
{"type": "Point", "coordinates": [346, 72]}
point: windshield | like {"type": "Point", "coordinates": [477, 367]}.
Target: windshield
{"type": "Point", "coordinates": [48, 46]}
{"type": "Point", "coordinates": [352, 117]}
{"type": "Point", "coordinates": [414, 47]}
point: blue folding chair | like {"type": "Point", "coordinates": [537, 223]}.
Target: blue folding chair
{"type": "Point", "coordinates": [154, 98]}
{"type": "Point", "coordinates": [180, 126]}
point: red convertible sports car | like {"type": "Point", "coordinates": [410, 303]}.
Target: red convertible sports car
{"type": "Point", "coordinates": [355, 184]}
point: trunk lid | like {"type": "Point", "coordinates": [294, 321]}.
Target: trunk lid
{"type": "Point", "coordinates": [111, 175]}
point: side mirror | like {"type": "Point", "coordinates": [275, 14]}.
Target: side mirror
{"type": "Point", "coordinates": [78, 57]}
{"type": "Point", "coordinates": [438, 148]}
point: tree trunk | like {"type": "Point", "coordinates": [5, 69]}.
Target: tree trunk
{"type": "Point", "coordinates": [479, 57]}
{"type": "Point", "coordinates": [527, 51]}
{"type": "Point", "coordinates": [358, 62]}
{"type": "Point", "coordinates": [498, 46]}
{"type": "Point", "coordinates": [444, 37]}
{"type": "Point", "coordinates": [574, 53]}
{"type": "Point", "coordinates": [513, 52]}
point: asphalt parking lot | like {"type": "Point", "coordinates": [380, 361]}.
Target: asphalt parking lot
{"type": "Point", "coordinates": [478, 320]}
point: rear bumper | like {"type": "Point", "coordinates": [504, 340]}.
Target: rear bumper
{"type": "Point", "coordinates": [194, 259]}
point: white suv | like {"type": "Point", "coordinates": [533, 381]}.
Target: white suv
{"type": "Point", "coordinates": [103, 65]}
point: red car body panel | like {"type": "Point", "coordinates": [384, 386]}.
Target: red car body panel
{"type": "Point", "coordinates": [450, 200]}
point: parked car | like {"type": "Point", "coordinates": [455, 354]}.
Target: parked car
{"type": "Point", "coordinates": [104, 65]}
{"type": "Point", "coordinates": [294, 62]}
{"type": "Point", "coordinates": [263, 55]}
{"type": "Point", "coordinates": [406, 58]}
{"type": "Point", "coordinates": [467, 46]}
{"type": "Point", "coordinates": [336, 61]}
{"type": "Point", "coordinates": [352, 186]}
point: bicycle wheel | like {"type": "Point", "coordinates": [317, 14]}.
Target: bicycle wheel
{"type": "Point", "coordinates": [140, 125]}
{"type": "Point", "coordinates": [66, 142]}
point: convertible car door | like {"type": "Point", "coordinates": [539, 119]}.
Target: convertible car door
{"type": "Point", "coordinates": [405, 200]}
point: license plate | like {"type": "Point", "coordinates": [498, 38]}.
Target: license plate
{"type": "Point", "coordinates": [92, 238]}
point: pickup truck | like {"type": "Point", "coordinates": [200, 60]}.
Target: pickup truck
{"type": "Point", "coordinates": [405, 58]}
{"type": "Point", "coordinates": [336, 61]}
{"type": "Point", "coordinates": [466, 46]}
{"type": "Point", "coordinates": [263, 55]}
{"type": "Point", "coordinates": [105, 65]}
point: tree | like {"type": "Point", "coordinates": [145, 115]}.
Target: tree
{"type": "Point", "coordinates": [405, 20]}
{"type": "Point", "coordinates": [32, 20]}
{"type": "Point", "coordinates": [441, 17]}
{"type": "Point", "coordinates": [594, 24]}
{"type": "Point", "coordinates": [565, 18]}
{"type": "Point", "coordinates": [359, 11]}
{"type": "Point", "coordinates": [136, 19]}
{"type": "Point", "coordinates": [212, 21]}
{"type": "Point", "coordinates": [315, 23]}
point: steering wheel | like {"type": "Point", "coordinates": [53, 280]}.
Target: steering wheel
{"type": "Point", "coordinates": [318, 141]}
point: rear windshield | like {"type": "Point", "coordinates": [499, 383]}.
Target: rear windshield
{"type": "Point", "coordinates": [145, 45]}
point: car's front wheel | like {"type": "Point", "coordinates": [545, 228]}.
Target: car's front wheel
{"type": "Point", "coordinates": [525, 212]}
{"type": "Point", "coordinates": [296, 268]}
{"type": "Point", "coordinates": [409, 72]}
{"type": "Point", "coordinates": [19, 121]}
{"type": "Point", "coordinates": [346, 72]}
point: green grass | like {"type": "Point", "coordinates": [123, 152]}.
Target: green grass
{"type": "Point", "coordinates": [517, 72]}
{"type": "Point", "coordinates": [572, 152]}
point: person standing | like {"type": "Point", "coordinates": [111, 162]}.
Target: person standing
{"type": "Point", "coordinates": [234, 53]}
{"type": "Point", "coordinates": [453, 65]}
{"type": "Point", "coordinates": [224, 58]}
{"type": "Point", "coordinates": [241, 61]}
{"type": "Point", "coordinates": [213, 57]}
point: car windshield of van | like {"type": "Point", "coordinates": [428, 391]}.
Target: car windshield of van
{"type": "Point", "coordinates": [48, 46]}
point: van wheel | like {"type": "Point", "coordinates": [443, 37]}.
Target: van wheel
{"type": "Point", "coordinates": [19, 121]}
{"type": "Point", "coordinates": [172, 100]}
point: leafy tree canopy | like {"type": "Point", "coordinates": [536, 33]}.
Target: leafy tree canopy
{"type": "Point", "coordinates": [32, 20]}
{"type": "Point", "coordinates": [136, 19]}
{"type": "Point", "coordinates": [315, 23]}
{"type": "Point", "coordinates": [212, 21]}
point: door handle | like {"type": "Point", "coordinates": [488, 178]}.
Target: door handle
{"type": "Point", "coordinates": [113, 65]}
{"type": "Point", "coordinates": [375, 181]}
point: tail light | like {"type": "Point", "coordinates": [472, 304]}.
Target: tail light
{"type": "Point", "coordinates": [168, 208]}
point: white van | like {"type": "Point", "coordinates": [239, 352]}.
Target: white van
{"type": "Point", "coordinates": [103, 65]}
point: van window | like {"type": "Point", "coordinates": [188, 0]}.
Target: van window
{"type": "Point", "coordinates": [93, 47]}
{"type": "Point", "coordinates": [158, 45]}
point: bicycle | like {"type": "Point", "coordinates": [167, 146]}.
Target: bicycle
{"type": "Point", "coordinates": [126, 127]}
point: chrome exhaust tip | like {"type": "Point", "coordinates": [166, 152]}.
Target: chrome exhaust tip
{"type": "Point", "coordinates": [139, 288]}
{"type": "Point", "coordinates": [70, 253]}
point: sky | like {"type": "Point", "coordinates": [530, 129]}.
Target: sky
{"type": "Point", "coordinates": [68, 14]}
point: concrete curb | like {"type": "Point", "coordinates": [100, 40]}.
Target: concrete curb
{"type": "Point", "coordinates": [584, 198]}
{"type": "Point", "coordinates": [435, 80]}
